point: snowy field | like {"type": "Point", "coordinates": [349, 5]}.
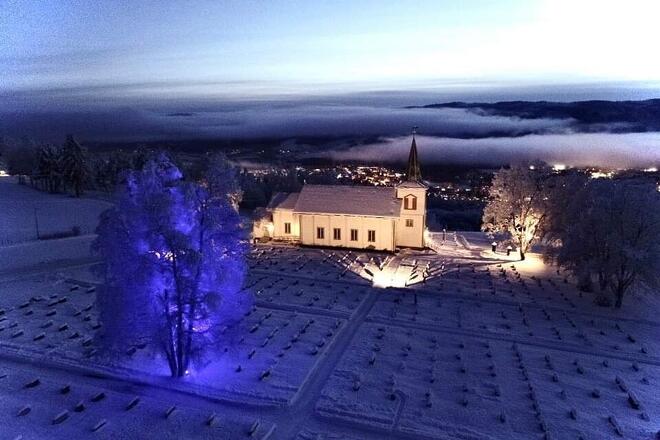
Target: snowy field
{"type": "Point", "coordinates": [31, 220]}
{"type": "Point", "coordinates": [27, 213]}
{"type": "Point", "coordinates": [484, 348]}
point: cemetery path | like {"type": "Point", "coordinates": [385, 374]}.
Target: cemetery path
{"type": "Point", "coordinates": [301, 407]}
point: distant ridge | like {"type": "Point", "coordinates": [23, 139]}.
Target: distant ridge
{"type": "Point", "coordinates": [618, 116]}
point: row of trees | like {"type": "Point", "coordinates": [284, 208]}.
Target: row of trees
{"type": "Point", "coordinates": [258, 190]}
{"type": "Point", "coordinates": [57, 169]}
{"type": "Point", "coordinates": [69, 167]}
{"type": "Point", "coordinates": [605, 231]}
{"type": "Point", "coordinates": [50, 168]}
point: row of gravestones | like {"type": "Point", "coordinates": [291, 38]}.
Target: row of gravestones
{"type": "Point", "coordinates": [131, 405]}
{"type": "Point", "coordinates": [327, 335]}
{"type": "Point", "coordinates": [595, 393]}
{"type": "Point", "coordinates": [526, 321]}
{"type": "Point", "coordinates": [50, 305]}
{"type": "Point", "coordinates": [406, 350]}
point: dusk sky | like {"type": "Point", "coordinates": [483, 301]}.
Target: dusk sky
{"type": "Point", "coordinates": [250, 48]}
{"type": "Point", "coordinates": [154, 70]}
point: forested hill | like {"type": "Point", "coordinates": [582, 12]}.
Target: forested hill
{"type": "Point", "coordinates": [621, 116]}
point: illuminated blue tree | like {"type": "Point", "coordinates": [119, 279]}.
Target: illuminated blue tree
{"type": "Point", "coordinates": [173, 264]}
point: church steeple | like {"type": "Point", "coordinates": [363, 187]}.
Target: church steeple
{"type": "Point", "coordinates": [413, 172]}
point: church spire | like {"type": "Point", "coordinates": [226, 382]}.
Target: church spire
{"type": "Point", "coordinates": [413, 173]}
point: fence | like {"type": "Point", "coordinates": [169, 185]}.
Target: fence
{"type": "Point", "coordinates": [28, 221]}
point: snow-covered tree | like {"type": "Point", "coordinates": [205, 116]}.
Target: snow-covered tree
{"type": "Point", "coordinates": [222, 180]}
{"type": "Point", "coordinates": [614, 235]}
{"type": "Point", "coordinates": [518, 205]}
{"type": "Point", "coordinates": [563, 191]}
{"type": "Point", "coordinates": [106, 170]}
{"type": "Point", "coordinates": [74, 165]}
{"type": "Point", "coordinates": [49, 167]}
{"type": "Point", "coordinates": [174, 264]}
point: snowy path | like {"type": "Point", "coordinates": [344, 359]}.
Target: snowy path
{"type": "Point", "coordinates": [302, 406]}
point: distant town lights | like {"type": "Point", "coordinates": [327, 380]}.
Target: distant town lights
{"type": "Point", "coordinates": [559, 167]}
{"type": "Point", "coordinates": [602, 175]}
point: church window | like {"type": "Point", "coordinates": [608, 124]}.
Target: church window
{"type": "Point", "coordinates": [336, 234]}
{"type": "Point", "coordinates": [354, 235]}
{"type": "Point", "coordinates": [287, 228]}
{"type": "Point", "coordinates": [371, 236]}
{"type": "Point", "coordinates": [410, 202]}
{"type": "Point", "coordinates": [320, 233]}
{"type": "Point", "coordinates": [409, 223]}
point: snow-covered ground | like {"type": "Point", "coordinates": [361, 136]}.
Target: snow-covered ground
{"type": "Point", "coordinates": [31, 220]}
{"type": "Point", "coordinates": [28, 213]}
{"type": "Point", "coordinates": [483, 348]}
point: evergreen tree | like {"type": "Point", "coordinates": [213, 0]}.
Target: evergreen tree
{"type": "Point", "coordinates": [74, 165]}
{"type": "Point", "coordinates": [49, 167]}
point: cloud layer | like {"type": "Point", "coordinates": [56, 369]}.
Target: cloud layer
{"type": "Point", "coordinates": [452, 135]}
{"type": "Point", "coordinates": [575, 149]}
{"type": "Point", "coordinates": [272, 119]}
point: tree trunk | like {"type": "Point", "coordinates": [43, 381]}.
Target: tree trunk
{"type": "Point", "coordinates": [522, 255]}
{"type": "Point", "coordinates": [619, 299]}
{"type": "Point", "coordinates": [180, 349]}
{"type": "Point", "coordinates": [168, 343]}
{"type": "Point", "coordinates": [585, 283]}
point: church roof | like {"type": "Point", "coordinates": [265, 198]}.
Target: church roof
{"type": "Point", "coordinates": [283, 200]}
{"type": "Point", "coordinates": [349, 200]}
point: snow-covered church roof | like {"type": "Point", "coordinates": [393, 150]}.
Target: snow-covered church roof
{"type": "Point", "coordinates": [283, 200]}
{"type": "Point", "coordinates": [349, 200]}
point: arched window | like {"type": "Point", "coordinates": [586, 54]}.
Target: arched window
{"type": "Point", "coordinates": [410, 202]}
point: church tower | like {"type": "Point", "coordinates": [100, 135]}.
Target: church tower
{"type": "Point", "coordinates": [412, 192]}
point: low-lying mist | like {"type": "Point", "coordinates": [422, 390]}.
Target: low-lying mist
{"type": "Point", "coordinates": [450, 135]}
{"type": "Point", "coordinates": [574, 149]}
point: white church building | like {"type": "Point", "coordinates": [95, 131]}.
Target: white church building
{"type": "Point", "coordinates": [360, 217]}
